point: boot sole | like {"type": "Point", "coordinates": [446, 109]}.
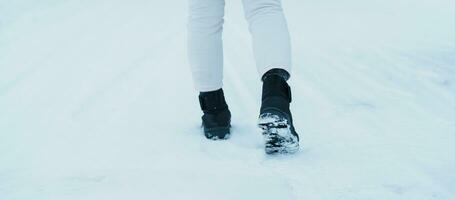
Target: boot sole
{"type": "Point", "coordinates": [278, 134]}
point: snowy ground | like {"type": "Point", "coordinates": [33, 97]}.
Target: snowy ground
{"type": "Point", "coordinates": [96, 102]}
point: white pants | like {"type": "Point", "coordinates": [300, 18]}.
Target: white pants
{"type": "Point", "coordinates": [267, 25]}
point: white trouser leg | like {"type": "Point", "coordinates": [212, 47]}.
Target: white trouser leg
{"type": "Point", "coordinates": [270, 35]}
{"type": "Point", "coordinates": [267, 24]}
{"type": "Point", "coordinates": [205, 47]}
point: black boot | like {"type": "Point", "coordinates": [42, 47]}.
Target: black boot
{"type": "Point", "coordinates": [275, 118]}
{"type": "Point", "coordinates": [216, 120]}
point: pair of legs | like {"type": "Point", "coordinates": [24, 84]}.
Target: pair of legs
{"type": "Point", "coordinates": [268, 28]}
{"type": "Point", "coordinates": [272, 51]}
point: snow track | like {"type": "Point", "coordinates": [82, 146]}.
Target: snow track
{"type": "Point", "coordinates": [96, 102]}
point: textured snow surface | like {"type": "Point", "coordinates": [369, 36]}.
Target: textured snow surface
{"type": "Point", "coordinates": [96, 102]}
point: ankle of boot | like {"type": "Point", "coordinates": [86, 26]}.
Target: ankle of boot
{"type": "Point", "coordinates": [277, 72]}
{"type": "Point", "coordinates": [276, 86]}
{"type": "Point", "coordinates": [212, 101]}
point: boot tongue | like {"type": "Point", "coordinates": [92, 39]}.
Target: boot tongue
{"type": "Point", "coordinates": [212, 101]}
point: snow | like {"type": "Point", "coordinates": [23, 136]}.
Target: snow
{"type": "Point", "coordinates": [96, 102]}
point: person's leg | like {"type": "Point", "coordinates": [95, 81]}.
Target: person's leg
{"type": "Point", "coordinates": [272, 50]}
{"type": "Point", "coordinates": [205, 52]}
{"type": "Point", "coordinates": [205, 47]}
{"type": "Point", "coordinates": [270, 35]}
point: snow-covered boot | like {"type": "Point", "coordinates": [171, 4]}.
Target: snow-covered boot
{"type": "Point", "coordinates": [216, 120]}
{"type": "Point", "coordinates": [275, 117]}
